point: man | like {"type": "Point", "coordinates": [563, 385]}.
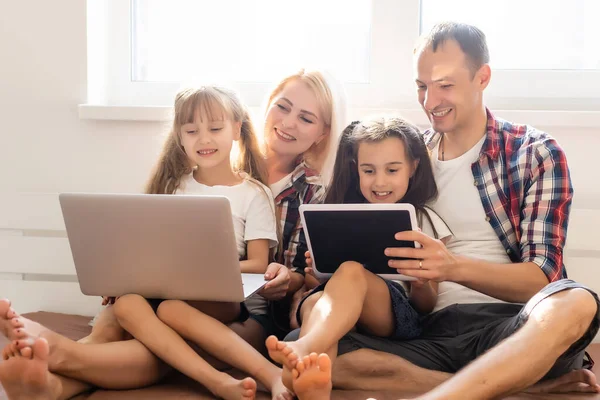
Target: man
{"type": "Point", "coordinates": [505, 193]}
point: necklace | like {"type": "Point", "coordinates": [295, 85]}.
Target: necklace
{"type": "Point", "coordinates": [442, 146]}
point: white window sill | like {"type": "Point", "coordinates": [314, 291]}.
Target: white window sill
{"type": "Point", "coordinates": [537, 118]}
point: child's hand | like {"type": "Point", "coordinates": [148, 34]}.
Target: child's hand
{"type": "Point", "coordinates": [108, 300]}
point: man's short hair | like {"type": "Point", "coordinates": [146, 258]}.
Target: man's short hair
{"type": "Point", "coordinates": [470, 39]}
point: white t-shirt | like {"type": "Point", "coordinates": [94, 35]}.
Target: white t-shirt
{"type": "Point", "coordinates": [252, 209]}
{"type": "Point", "coordinates": [281, 184]}
{"type": "Point", "coordinates": [253, 214]}
{"type": "Point", "coordinates": [459, 205]}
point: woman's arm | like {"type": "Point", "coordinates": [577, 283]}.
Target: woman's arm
{"type": "Point", "coordinates": [258, 257]}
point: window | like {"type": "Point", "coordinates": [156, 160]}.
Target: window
{"type": "Point", "coordinates": [543, 52]}
{"type": "Point", "coordinates": [530, 34]}
{"type": "Point", "coordinates": [248, 41]}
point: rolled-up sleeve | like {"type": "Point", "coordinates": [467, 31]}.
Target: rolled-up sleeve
{"type": "Point", "coordinates": [548, 193]}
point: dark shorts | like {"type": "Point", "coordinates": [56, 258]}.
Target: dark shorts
{"type": "Point", "coordinates": [406, 319]}
{"type": "Point", "coordinates": [456, 335]}
{"type": "Point", "coordinates": [243, 316]}
{"type": "Point", "coordinates": [271, 325]}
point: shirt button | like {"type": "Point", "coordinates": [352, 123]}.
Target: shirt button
{"type": "Point", "coordinates": [487, 218]}
{"type": "Point", "coordinates": [475, 183]}
{"type": "Point", "coordinates": [507, 251]}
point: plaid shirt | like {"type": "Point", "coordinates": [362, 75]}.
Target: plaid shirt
{"type": "Point", "coordinates": [304, 187]}
{"type": "Point", "coordinates": [526, 192]}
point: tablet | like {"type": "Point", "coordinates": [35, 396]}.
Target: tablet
{"type": "Point", "coordinates": [336, 233]}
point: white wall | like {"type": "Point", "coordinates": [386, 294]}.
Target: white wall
{"type": "Point", "coordinates": [46, 149]}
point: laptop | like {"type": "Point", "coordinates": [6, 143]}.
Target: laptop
{"type": "Point", "coordinates": [157, 246]}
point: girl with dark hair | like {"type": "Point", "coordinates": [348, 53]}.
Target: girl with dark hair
{"type": "Point", "coordinates": [381, 160]}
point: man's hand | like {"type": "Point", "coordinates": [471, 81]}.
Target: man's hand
{"type": "Point", "coordinates": [279, 280]}
{"type": "Point", "coordinates": [433, 261]}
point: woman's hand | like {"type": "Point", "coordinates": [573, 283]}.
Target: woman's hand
{"type": "Point", "coordinates": [278, 277]}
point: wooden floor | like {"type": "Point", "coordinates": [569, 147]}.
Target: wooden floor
{"type": "Point", "coordinates": [182, 388]}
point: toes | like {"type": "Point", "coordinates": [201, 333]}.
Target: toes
{"type": "Point", "coordinates": [295, 372]}
{"type": "Point", "coordinates": [313, 358]}
{"type": "Point", "coordinates": [19, 333]}
{"type": "Point", "coordinates": [41, 350]}
{"type": "Point", "coordinates": [27, 352]}
{"type": "Point", "coordinates": [11, 313]}
{"type": "Point", "coordinates": [17, 323]}
{"type": "Point", "coordinates": [26, 342]}
{"type": "Point", "coordinates": [324, 362]}
{"type": "Point", "coordinates": [300, 366]}
{"type": "Point", "coordinates": [4, 307]}
{"type": "Point", "coordinates": [272, 342]}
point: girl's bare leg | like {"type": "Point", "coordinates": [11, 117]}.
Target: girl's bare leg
{"type": "Point", "coordinates": [352, 296]}
{"type": "Point", "coordinates": [137, 317]}
{"type": "Point", "coordinates": [222, 343]}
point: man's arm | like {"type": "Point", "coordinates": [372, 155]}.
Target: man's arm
{"type": "Point", "coordinates": [544, 220]}
{"type": "Point", "coordinates": [515, 283]}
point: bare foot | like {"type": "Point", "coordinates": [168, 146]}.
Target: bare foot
{"type": "Point", "coordinates": [285, 354]}
{"type": "Point", "coordinates": [24, 373]}
{"type": "Point", "coordinates": [312, 377]}
{"type": "Point", "coordinates": [233, 389]}
{"type": "Point", "coordinates": [30, 330]}
{"type": "Point", "coordinates": [279, 391]}
{"type": "Point", "coordinates": [581, 380]}
{"type": "Point", "coordinates": [7, 323]}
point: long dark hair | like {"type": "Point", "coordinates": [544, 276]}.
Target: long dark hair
{"type": "Point", "coordinates": [345, 185]}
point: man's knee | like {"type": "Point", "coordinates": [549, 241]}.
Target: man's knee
{"type": "Point", "coordinates": [576, 308]}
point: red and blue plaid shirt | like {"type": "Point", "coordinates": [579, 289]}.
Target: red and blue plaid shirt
{"type": "Point", "coordinates": [304, 187]}
{"type": "Point", "coordinates": [525, 188]}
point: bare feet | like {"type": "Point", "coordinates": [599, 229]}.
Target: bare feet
{"type": "Point", "coordinates": [285, 354]}
{"type": "Point", "coordinates": [312, 377]}
{"type": "Point", "coordinates": [24, 373]}
{"type": "Point", "coordinates": [233, 389]}
{"type": "Point", "coordinates": [7, 323]}
{"type": "Point", "coordinates": [581, 380]}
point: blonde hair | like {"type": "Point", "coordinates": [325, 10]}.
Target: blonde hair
{"type": "Point", "coordinates": [332, 105]}
{"type": "Point", "coordinates": [214, 103]}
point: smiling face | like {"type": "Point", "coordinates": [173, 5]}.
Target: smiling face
{"type": "Point", "coordinates": [294, 121]}
{"type": "Point", "coordinates": [449, 92]}
{"type": "Point", "coordinates": [208, 142]}
{"type": "Point", "coordinates": [384, 170]}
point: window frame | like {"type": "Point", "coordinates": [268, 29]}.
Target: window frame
{"type": "Point", "coordinates": [391, 84]}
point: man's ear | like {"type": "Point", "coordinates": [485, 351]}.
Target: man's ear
{"type": "Point", "coordinates": [483, 76]}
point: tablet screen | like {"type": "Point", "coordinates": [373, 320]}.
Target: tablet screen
{"type": "Point", "coordinates": [357, 235]}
